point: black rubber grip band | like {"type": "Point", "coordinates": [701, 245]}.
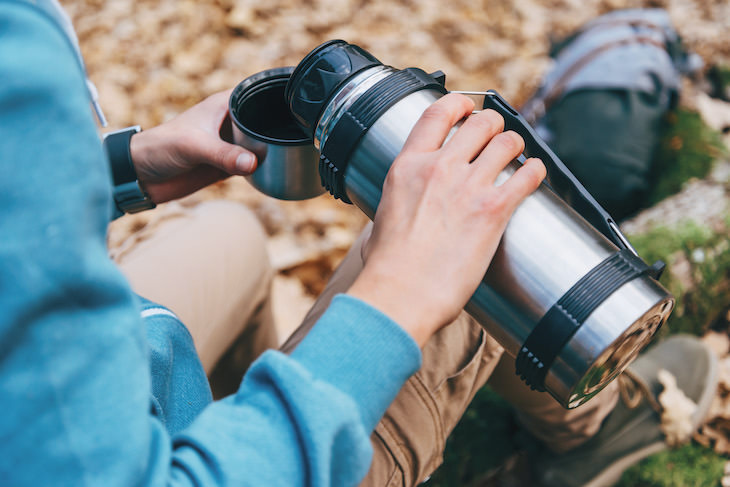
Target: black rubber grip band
{"type": "Point", "coordinates": [358, 119]}
{"type": "Point", "coordinates": [564, 318]}
{"type": "Point", "coordinates": [332, 179]}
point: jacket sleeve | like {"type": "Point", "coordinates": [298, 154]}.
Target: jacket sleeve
{"type": "Point", "coordinates": [74, 371]}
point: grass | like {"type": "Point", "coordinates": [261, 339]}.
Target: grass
{"type": "Point", "coordinates": [690, 465]}
{"type": "Point", "coordinates": [486, 435]}
{"type": "Point", "coordinates": [702, 292]}
{"type": "Point", "coordinates": [687, 150]}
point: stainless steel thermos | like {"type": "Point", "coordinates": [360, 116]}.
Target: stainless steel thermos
{"type": "Point", "coordinates": [566, 294]}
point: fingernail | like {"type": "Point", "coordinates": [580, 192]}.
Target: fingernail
{"type": "Point", "coordinates": [245, 162]}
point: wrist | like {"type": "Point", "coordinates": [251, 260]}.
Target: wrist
{"type": "Point", "coordinates": [129, 195]}
{"type": "Point", "coordinates": [142, 151]}
{"type": "Point", "coordinates": [399, 301]}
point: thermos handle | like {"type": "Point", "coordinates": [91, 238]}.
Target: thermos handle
{"type": "Point", "coordinates": [559, 177]}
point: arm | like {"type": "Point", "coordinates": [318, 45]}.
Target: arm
{"type": "Point", "coordinates": [73, 362]}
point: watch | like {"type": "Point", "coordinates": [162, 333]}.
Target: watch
{"type": "Point", "coordinates": [129, 196]}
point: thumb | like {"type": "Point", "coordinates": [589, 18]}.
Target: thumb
{"type": "Point", "coordinates": [230, 158]}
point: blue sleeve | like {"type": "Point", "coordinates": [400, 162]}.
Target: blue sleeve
{"type": "Point", "coordinates": [74, 365]}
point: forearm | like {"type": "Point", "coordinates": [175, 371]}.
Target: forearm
{"type": "Point", "coordinates": [312, 412]}
{"type": "Point", "coordinates": [74, 369]}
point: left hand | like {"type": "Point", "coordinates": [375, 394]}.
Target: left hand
{"type": "Point", "coordinates": [187, 153]}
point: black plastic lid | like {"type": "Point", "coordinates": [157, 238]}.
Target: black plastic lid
{"type": "Point", "coordinates": [318, 77]}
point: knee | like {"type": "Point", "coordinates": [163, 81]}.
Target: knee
{"type": "Point", "coordinates": [239, 236]}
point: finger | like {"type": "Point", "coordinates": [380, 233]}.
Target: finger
{"type": "Point", "coordinates": [211, 111]}
{"type": "Point", "coordinates": [503, 148]}
{"type": "Point", "coordinates": [522, 183]}
{"type": "Point", "coordinates": [184, 184]}
{"type": "Point", "coordinates": [435, 123]}
{"type": "Point", "coordinates": [218, 153]}
{"type": "Point", "coordinates": [473, 135]}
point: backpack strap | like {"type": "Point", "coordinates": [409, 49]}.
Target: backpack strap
{"type": "Point", "coordinates": [555, 92]}
{"type": "Point", "coordinates": [592, 58]}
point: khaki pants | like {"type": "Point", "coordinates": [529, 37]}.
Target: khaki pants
{"type": "Point", "coordinates": [208, 265]}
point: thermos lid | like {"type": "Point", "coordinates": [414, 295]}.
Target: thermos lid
{"type": "Point", "coordinates": [319, 75]}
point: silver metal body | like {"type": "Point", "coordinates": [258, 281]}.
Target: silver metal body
{"type": "Point", "coordinates": [287, 162]}
{"type": "Point", "coordinates": [285, 172]}
{"type": "Point", "coordinates": [546, 248]}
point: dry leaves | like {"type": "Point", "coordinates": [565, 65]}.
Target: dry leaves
{"type": "Point", "coordinates": [677, 410]}
{"type": "Point", "coordinates": [156, 57]}
{"type": "Point", "coordinates": [716, 430]}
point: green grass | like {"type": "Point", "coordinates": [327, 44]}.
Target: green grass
{"type": "Point", "coordinates": [687, 150]}
{"type": "Point", "coordinates": [705, 254]}
{"type": "Point", "coordinates": [486, 435]}
{"type": "Point", "coordinates": [690, 465]}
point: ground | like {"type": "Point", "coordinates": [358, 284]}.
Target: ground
{"type": "Point", "coordinates": [153, 58]}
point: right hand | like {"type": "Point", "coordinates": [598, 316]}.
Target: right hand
{"type": "Point", "coordinates": [441, 217]}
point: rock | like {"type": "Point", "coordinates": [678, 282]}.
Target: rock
{"type": "Point", "coordinates": [715, 113]}
{"type": "Point", "coordinates": [705, 202]}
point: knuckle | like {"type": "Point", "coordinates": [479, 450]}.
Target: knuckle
{"type": "Point", "coordinates": [448, 107]}
{"type": "Point", "coordinates": [490, 120]}
{"type": "Point", "coordinates": [435, 111]}
{"type": "Point", "coordinates": [226, 158]}
{"type": "Point", "coordinates": [439, 169]}
{"type": "Point", "coordinates": [495, 203]}
{"type": "Point", "coordinates": [536, 177]}
{"type": "Point", "coordinates": [398, 171]}
{"type": "Point", "coordinates": [535, 172]}
{"type": "Point", "coordinates": [463, 101]}
{"type": "Point", "coordinates": [483, 124]}
{"type": "Point", "coordinates": [511, 141]}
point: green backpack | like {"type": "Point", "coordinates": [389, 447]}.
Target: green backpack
{"type": "Point", "coordinates": [601, 107]}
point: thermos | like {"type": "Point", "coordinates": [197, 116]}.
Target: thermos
{"type": "Point", "coordinates": [565, 294]}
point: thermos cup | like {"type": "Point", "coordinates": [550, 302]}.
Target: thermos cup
{"type": "Point", "coordinates": [566, 294]}
{"type": "Point", "coordinates": [262, 123]}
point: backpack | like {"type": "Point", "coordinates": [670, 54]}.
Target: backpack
{"type": "Point", "coordinates": [601, 107]}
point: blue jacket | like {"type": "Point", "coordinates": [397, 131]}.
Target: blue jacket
{"type": "Point", "coordinates": [90, 393]}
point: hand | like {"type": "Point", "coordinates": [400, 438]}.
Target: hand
{"type": "Point", "coordinates": [441, 218]}
{"type": "Point", "coordinates": [187, 153]}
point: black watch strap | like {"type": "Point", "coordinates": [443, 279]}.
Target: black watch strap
{"type": "Point", "coordinates": [128, 193]}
